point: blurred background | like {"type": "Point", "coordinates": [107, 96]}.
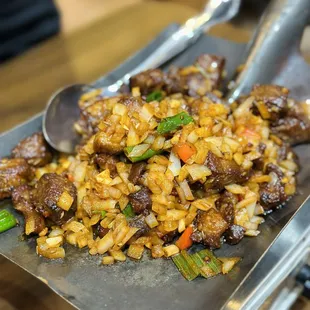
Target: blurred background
{"type": "Point", "coordinates": [45, 45]}
{"type": "Point", "coordinates": [25, 23]}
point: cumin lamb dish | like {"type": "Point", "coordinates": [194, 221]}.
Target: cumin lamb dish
{"type": "Point", "coordinates": [163, 167]}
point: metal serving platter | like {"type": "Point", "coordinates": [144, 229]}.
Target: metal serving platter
{"type": "Point", "coordinates": [149, 284]}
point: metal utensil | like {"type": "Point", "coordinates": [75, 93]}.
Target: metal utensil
{"type": "Point", "coordinates": [274, 53]}
{"type": "Point", "coordinates": [62, 109]}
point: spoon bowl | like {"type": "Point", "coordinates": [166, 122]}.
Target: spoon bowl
{"type": "Point", "coordinates": [61, 113]}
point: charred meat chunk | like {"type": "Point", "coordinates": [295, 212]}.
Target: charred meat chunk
{"type": "Point", "coordinates": [210, 227]}
{"type": "Point", "coordinates": [234, 234]}
{"type": "Point", "coordinates": [133, 104]}
{"type": "Point", "coordinates": [272, 194]}
{"type": "Point", "coordinates": [167, 238]}
{"type": "Point", "coordinates": [103, 144]}
{"type": "Point", "coordinates": [13, 173]}
{"type": "Point", "coordinates": [258, 163]}
{"type": "Point", "coordinates": [141, 201]}
{"type": "Point", "coordinates": [273, 97]}
{"type": "Point", "coordinates": [198, 80]}
{"type": "Point", "coordinates": [197, 85]}
{"type": "Point", "coordinates": [274, 168]}
{"type": "Point", "coordinates": [284, 152]}
{"type": "Point", "coordinates": [101, 231]}
{"type": "Point", "coordinates": [22, 202]}
{"type": "Point", "coordinates": [47, 195]}
{"type": "Point", "coordinates": [225, 204]}
{"type": "Point", "coordinates": [224, 172]}
{"type": "Point", "coordinates": [139, 222]}
{"type": "Point", "coordinates": [34, 149]}
{"type": "Point", "coordinates": [294, 127]}
{"type": "Point", "coordinates": [148, 81]}
{"type": "Point", "coordinates": [136, 172]}
{"type": "Point", "coordinates": [194, 84]}
{"type": "Point", "coordinates": [105, 161]}
{"type": "Point", "coordinates": [213, 67]}
{"type": "Point", "coordinates": [91, 116]}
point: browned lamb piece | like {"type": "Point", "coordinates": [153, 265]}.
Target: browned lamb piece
{"type": "Point", "coordinates": [199, 83]}
{"type": "Point", "coordinates": [22, 202]}
{"type": "Point", "coordinates": [136, 172]}
{"type": "Point", "coordinates": [206, 76]}
{"type": "Point", "coordinates": [13, 173]}
{"type": "Point", "coordinates": [148, 81]}
{"type": "Point", "coordinates": [225, 204]}
{"type": "Point", "coordinates": [49, 191]}
{"type": "Point", "coordinates": [34, 149]}
{"type": "Point", "coordinates": [141, 201]}
{"type": "Point", "coordinates": [210, 227]}
{"type": "Point", "coordinates": [105, 161]}
{"type": "Point", "coordinates": [224, 172]}
{"type": "Point", "coordinates": [213, 67]}
{"type": "Point", "coordinates": [294, 127]}
{"type": "Point", "coordinates": [273, 97]}
{"type": "Point", "coordinates": [139, 222]}
{"type": "Point", "coordinates": [272, 194]}
{"type": "Point", "coordinates": [234, 234]}
{"type": "Point", "coordinates": [103, 144]}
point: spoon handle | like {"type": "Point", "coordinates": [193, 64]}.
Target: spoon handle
{"type": "Point", "coordinates": [215, 12]}
{"type": "Point", "coordinates": [277, 37]}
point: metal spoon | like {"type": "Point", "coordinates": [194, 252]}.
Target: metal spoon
{"type": "Point", "coordinates": [62, 109]}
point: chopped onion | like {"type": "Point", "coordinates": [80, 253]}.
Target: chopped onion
{"type": "Point", "coordinates": [108, 260]}
{"type": "Point", "coordinates": [120, 109]}
{"type": "Point", "coordinates": [105, 243]}
{"type": "Point", "coordinates": [244, 108]}
{"type": "Point", "coordinates": [192, 137]}
{"type": "Point", "coordinates": [104, 177]}
{"type": "Point", "coordinates": [65, 201]}
{"type": "Point", "coordinates": [250, 226]}
{"type": "Point", "coordinates": [149, 139]}
{"type": "Point", "coordinates": [289, 164]}
{"type": "Point", "coordinates": [135, 251]}
{"type": "Point", "coordinates": [80, 172]}
{"type": "Point", "coordinates": [158, 143]}
{"type": "Point", "coordinates": [251, 209]}
{"type": "Point", "coordinates": [181, 226]}
{"type": "Point", "coordinates": [236, 189]}
{"type": "Point", "coordinates": [132, 137]}
{"type": "Point", "coordinates": [259, 210]}
{"type": "Point", "coordinates": [76, 226]}
{"type": "Point", "coordinates": [257, 220]}
{"type": "Point", "coordinates": [175, 215]}
{"type": "Point", "coordinates": [54, 241]}
{"type": "Point", "coordinates": [145, 113]}
{"type": "Point", "coordinates": [151, 220]}
{"type": "Point", "coordinates": [198, 172]}
{"type": "Point", "coordinates": [175, 164]}
{"type": "Point", "coordinates": [139, 150]}
{"type": "Point", "coordinates": [186, 189]}
{"type": "Point", "coordinates": [171, 250]}
{"type": "Point", "coordinates": [228, 263]}
{"type": "Point", "coordinates": [252, 233]}
{"type": "Point", "coordinates": [118, 255]}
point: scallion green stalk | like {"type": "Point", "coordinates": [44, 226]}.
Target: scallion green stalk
{"type": "Point", "coordinates": [128, 211]}
{"type": "Point", "coordinates": [7, 221]}
{"type": "Point", "coordinates": [172, 123]}
{"type": "Point", "coordinates": [185, 269]}
{"type": "Point", "coordinates": [213, 262]}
